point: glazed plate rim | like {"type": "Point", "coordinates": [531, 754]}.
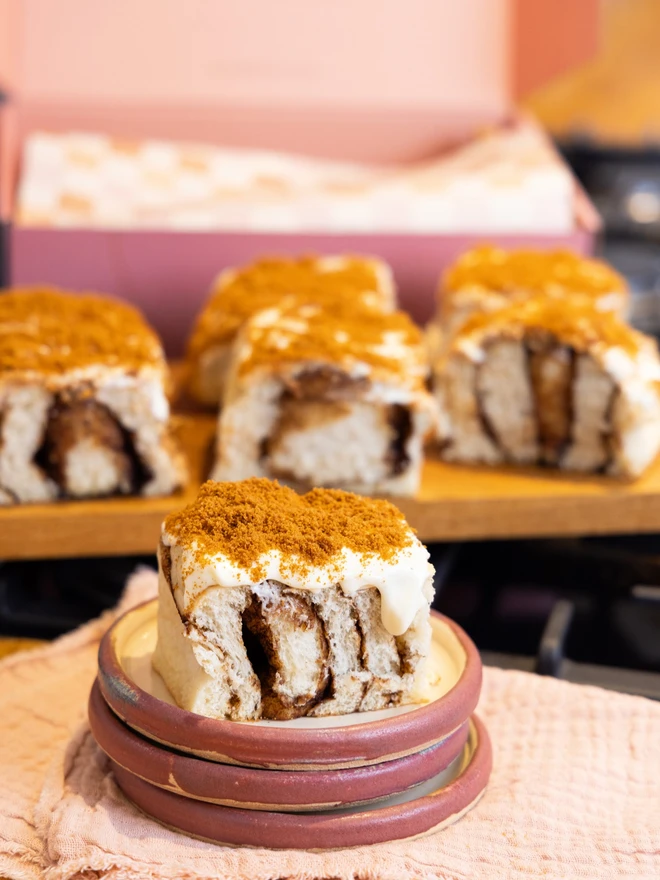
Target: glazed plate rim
{"type": "Point", "coordinates": [209, 781]}
{"type": "Point", "coordinates": [253, 744]}
{"type": "Point", "coordinates": [367, 825]}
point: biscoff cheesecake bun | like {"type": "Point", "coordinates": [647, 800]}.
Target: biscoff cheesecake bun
{"type": "Point", "coordinates": [84, 410]}
{"type": "Point", "coordinates": [550, 382]}
{"type": "Point", "coordinates": [327, 398]}
{"type": "Point", "coordinates": [278, 605]}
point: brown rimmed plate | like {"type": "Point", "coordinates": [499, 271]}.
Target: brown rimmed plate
{"type": "Point", "coordinates": [253, 789]}
{"type": "Point", "coordinates": [427, 808]}
{"type": "Point", "coordinates": [137, 694]}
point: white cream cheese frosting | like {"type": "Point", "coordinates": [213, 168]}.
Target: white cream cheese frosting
{"type": "Point", "coordinates": [400, 580]}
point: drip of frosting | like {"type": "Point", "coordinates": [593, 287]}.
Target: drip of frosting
{"type": "Point", "coordinates": [400, 579]}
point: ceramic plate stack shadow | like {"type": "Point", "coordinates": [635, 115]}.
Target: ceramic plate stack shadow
{"type": "Point", "coordinates": [309, 783]}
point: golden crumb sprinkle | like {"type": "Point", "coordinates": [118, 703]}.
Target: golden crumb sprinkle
{"type": "Point", "coordinates": [241, 293]}
{"type": "Point", "coordinates": [49, 331]}
{"type": "Point", "coordinates": [244, 521]}
{"type": "Point", "coordinates": [577, 323]}
{"type": "Point", "coordinates": [351, 336]}
{"type": "Point", "coordinates": [549, 272]}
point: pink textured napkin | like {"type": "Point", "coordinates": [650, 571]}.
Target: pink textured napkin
{"type": "Point", "coordinates": [575, 790]}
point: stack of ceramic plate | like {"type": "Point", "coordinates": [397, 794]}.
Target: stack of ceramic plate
{"type": "Point", "coordinates": [310, 783]}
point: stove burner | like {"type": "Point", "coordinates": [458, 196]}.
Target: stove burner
{"type": "Point", "coordinates": [48, 598]}
{"type": "Point", "coordinates": [585, 610]}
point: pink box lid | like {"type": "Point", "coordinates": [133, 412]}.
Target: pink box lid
{"type": "Point", "coordinates": [369, 80]}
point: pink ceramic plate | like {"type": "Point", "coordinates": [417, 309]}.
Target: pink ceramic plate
{"type": "Point", "coordinates": [139, 697]}
{"type": "Point", "coordinates": [421, 810]}
{"type": "Point", "coordinates": [283, 790]}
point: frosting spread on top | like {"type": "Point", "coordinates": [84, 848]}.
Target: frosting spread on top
{"type": "Point", "coordinates": [574, 322]}
{"type": "Point", "coordinates": [549, 272]}
{"type": "Point", "coordinates": [360, 340]}
{"type": "Point", "coordinates": [48, 331]}
{"type": "Point", "coordinates": [240, 293]}
{"type": "Point", "coordinates": [242, 534]}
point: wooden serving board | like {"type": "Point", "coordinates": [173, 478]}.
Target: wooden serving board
{"type": "Point", "coordinates": [454, 503]}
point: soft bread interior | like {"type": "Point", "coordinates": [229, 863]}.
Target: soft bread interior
{"type": "Point", "coordinates": [535, 401]}
{"type": "Point", "coordinates": [201, 676]}
{"type": "Point", "coordinates": [273, 652]}
{"type": "Point", "coordinates": [328, 434]}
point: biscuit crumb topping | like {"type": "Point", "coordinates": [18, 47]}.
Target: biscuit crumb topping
{"type": "Point", "coordinates": [245, 520]}
{"type": "Point", "coordinates": [265, 283]}
{"type": "Point", "coordinates": [49, 331]}
{"type": "Point", "coordinates": [350, 336]}
{"type": "Point", "coordinates": [549, 272]}
{"type": "Point", "coordinates": [573, 322]}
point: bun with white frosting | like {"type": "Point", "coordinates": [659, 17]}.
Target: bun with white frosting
{"type": "Point", "coordinates": [333, 398]}
{"type": "Point", "coordinates": [83, 400]}
{"type": "Point", "coordinates": [551, 382]}
{"type": "Point", "coordinates": [276, 605]}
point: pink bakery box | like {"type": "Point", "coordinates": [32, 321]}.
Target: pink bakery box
{"type": "Point", "coordinates": [372, 82]}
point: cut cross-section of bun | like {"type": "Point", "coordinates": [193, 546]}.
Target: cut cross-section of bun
{"type": "Point", "coordinates": [83, 404]}
{"type": "Point", "coordinates": [327, 398]}
{"type": "Point", "coordinates": [276, 605]}
{"type": "Point", "coordinates": [550, 382]}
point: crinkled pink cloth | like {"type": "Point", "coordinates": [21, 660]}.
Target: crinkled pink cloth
{"type": "Point", "coordinates": [575, 790]}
